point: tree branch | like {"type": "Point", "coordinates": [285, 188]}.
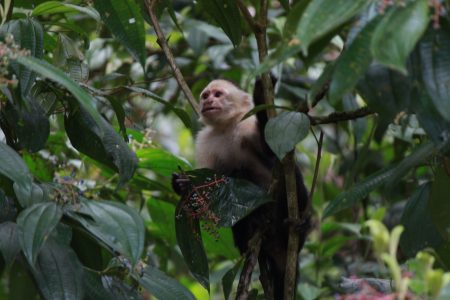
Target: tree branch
{"type": "Point", "coordinates": [341, 116]}
{"type": "Point", "coordinates": [249, 265]}
{"type": "Point", "coordinates": [150, 4]}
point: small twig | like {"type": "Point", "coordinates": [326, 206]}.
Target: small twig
{"type": "Point", "coordinates": [150, 4]}
{"type": "Point", "coordinates": [316, 169]}
{"type": "Point", "coordinates": [248, 16]}
{"type": "Point", "coordinates": [341, 116]}
{"type": "Point", "coordinates": [249, 265]}
{"type": "Point", "coordinates": [319, 96]}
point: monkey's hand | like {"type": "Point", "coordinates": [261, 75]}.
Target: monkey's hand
{"type": "Point", "coordinates": [180, 183]}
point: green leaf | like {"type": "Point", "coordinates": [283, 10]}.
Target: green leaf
{"type": "Point", "coordinates": [398, 33]}
{"type": "Point", "coordinates": [323, 16]}
{"type": "Point", "coordinates": [438, 203]}
{"type": "Point", "coordinates": [58, 273]}
{"type": "Point", "coordinates": [13, 167]}
{"type": "Point", "coordinates": [160, 161]}
{"type": "Point", "coordinates": [52, 7]}
{"type": "Point", "coordinates": [285, 131]}
{"type": "Point", "coordinates": [118, 226]}
{"type": "Point", "coordinates": [434, 49]}
{"type": "Point", "coordinates": [28, 34]}
{"type": "Point", "coordinates": [358, 191]}
{"type": "Point", "coordinates": [228, 279]}
{"type": "Point", "coordinates": [53, 73]}
{"type": "Point", "coordinates": [20, 277]}
{"type": "Point", "coordinates": [112, 288]}
{"type": "Point", "coordinates": [162, 286]}
{"type": "Point", "coordinates": [226, 14]}
{"type": "Point", "coordinates": [35, 223]}
{"type": "Point", "coordinates": [123, 18]}
{"type": "Point", "coordinates": [28, 196]}
{"type": "Point", "coordinates": [293, 18]}
{"type": "Point", "coordinates": [9, 243]}
{"type": "Point", "coordinates": [352, 63]}
{"type": "Point", "coordinates": [101, 143]}
{"type": "Point", "coordinates": [190, 242]}
{"type": "Point", "coordinates": [420, 230]}
{"type": "Point", "coordinates": [182, 115]}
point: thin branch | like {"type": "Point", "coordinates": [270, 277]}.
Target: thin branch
{"type": "Point", "coordinates": [342, 116]}
{"type": "Point", "coordinates": [290, 276]}
{"type": "Point", "coordinates": [249, 265]}
{"type": "Point", "coordinates": [248, 16]}
{"type": "Point", "coordinates": [150, 4]}
{"type": "Point", "coordinates": [316, 169]}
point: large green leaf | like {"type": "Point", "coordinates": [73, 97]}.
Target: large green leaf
{"type": "Point", "coordinates": [434, 51]}
{"type": "Point", "coordinates": [162, 286]}
{"type": "Point", "coordinates": [323, 16]}
{"type": "Point", "coordinates": [58, 272]}
{"type": "Point", "coordinates": [226, 14]}
{"type": "Point", "coordinates": [57, 7]}
{"type": "Point", "coordinates": [9, 243]}
{"type": "Point", "coordinates": [53, 73]}
{"type": "Point", "coordinates": [35, 223]}
{"type": "Point", "coordinates": [352, 63]}
{"type": "Point", "coordinates": [28, 34]}
{"type": "Point", "coordinates": [160, 161]}
{"type": "Point", "coordinates": [285, 131]}
{"type": "Point", "coordinates": [99, 287]}
{"type": "Point", "coordinates": [123, 18]}
{"type": "Point", "coordinates": [117, 225]}
{"type": "Point", "coordinates": [398, 33]}
{"type": "Point", "coordinates": [420, 230]}
{"type": "Point", "coordinates": [101, 143]}
{"type": "Point", "coordinates": [228, 279]}
{"type": "Point", "coordinates": [190, 242]}
{"type": "Point", "coordinates": [13, 167]}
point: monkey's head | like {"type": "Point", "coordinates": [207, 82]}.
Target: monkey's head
{"type": "Point", "coordinates": [222, 103]}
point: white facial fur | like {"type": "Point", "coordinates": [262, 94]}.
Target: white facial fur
{"type": "Point", "coordinates": [222, 103]}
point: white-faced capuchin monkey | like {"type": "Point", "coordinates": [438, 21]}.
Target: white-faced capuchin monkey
{"type": "Point", "coordinates": [237, 148]}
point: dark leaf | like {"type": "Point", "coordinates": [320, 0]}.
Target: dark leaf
{"type": "Point", "coordinates": [190, 242]}
{"type": "Point", "coordinates": [123, 18]}
{"type": "Point", "coordinates": [352, 63]}
{"type": "Point", "coordinates": [118, 226]}
{"type": "Point", "coordinates": [9, 243]}
{"type": "Point", "coordinates": [226, 14]}
{"type": "Point", "coordinates": [58, 272]}
{"type": "Point", "coordinates": [101, 143]}
{"type": "Point", "coordinates": [434, 49]}
{"type": "Point", "coordinates": [8, 209]}
{"type": "Point", "coordinates": [420, 231]}
{"type": "Point", "coordinates": [107, 289]}
{"type": "Point", "coordinates": [285, 131]}
{"type": "Point", "coordinates": [35, 223]}
{"type": "Point", "coordinates": [439, 205]}
{"type": "Point", "coordinates": [162, 286]}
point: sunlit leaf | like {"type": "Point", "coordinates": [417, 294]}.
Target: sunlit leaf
{"type": "Point", "coordinates": [322, 16]}
{"type": "Point", "coordinates": [160, 161]}
{"type": "Point", "coordinates": [398, 32]}
{"type": "Point", "coordinates": [123, 18]}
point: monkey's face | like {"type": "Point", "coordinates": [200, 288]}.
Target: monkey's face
{"type": "Point", "coordinates": [221, 103]}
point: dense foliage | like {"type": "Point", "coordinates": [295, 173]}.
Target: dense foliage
{"type": "Point", "coordinates": [97, 111]}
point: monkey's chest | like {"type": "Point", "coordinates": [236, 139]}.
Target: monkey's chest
{"type": "Point", "coordinates": [222, 153]}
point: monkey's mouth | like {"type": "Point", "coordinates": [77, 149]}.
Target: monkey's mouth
{"type": "Point", "coordinates": [210, 109]}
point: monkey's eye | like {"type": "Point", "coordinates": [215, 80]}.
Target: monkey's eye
{"type": "Point", "coordinates": [205, 95]}
{"type": "Point", "coordinates": [217, 94]}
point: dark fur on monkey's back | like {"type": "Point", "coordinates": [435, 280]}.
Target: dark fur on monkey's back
{"type": "Point", "coordinates": [272, 217]}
